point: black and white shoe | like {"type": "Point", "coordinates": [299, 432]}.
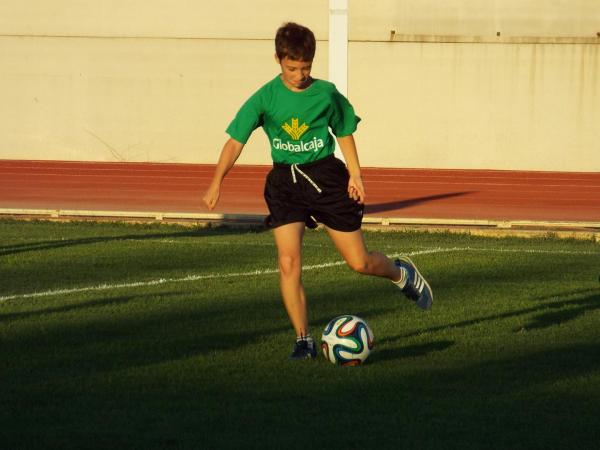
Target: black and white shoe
{"type": "Point", "coordinates": [304, 349]}
{"type": "Point", "coordinates": [416, 288]}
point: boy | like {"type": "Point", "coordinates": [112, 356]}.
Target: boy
{"type": "Point", "coordinates": [307, 182]}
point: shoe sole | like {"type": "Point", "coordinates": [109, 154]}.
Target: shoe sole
{"type": "Point", "coordinates": [407, 259]}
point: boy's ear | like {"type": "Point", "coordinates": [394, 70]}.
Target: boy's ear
{"type": "Point", "coordinates": [277, 60]}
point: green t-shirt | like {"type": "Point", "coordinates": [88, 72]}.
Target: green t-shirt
{"type": "Point", "coordinates": [296, 123]}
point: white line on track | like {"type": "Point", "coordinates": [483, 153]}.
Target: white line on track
{"type": "Point", "coordinates": [212, 276]}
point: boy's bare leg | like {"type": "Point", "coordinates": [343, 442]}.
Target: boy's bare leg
{"type": "Point", "coordinates": [404, 273]}
{"type": "Point", "coordinates": [351, 246]}
{"type": "Point", "coordinates": [288, 239]}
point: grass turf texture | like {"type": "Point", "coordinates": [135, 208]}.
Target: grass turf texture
{"type": "Point", "coordinates": [509, 356]}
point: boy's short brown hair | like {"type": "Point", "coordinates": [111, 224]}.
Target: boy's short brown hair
{"type": "Point", "coordinates": [295, 42]}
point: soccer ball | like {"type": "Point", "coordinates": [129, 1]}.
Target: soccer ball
{"type": "Point", "coordinates": [347, 340]}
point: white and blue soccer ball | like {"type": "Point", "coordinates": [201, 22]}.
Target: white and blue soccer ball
{"type": "Point", "coordinates": [347, 340]}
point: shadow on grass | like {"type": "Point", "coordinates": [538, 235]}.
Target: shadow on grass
{"type": "Point", "coordinates": [97, 341]}
{"type": "Point", "coordinates": [579, 306]}
{"type": "Point", "coordinates": [511, 401]}
{"type": "Point", "coordinates": [116, 301]}
{"type": "Point", "coordinates": [62, 243]}
{"type": "Point", "coordinates": [508, 401]}
{"type": "Point", "coordinates": [503, 403]}
{"type": "Point", "coordinates": [411, 351]}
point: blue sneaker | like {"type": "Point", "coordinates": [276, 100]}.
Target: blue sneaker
{"type": "Point", "coordinates": [304, 349]}
{"type": "Point", "coordinates": [416, 288]}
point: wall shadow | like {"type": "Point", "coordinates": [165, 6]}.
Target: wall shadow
{"type": "Point", "coordinates": [401, 204]}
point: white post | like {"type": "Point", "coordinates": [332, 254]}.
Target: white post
{"type": "Point", "coordinates": [338, 48]}
{"type": "Point", "coordinates": [338, 44]}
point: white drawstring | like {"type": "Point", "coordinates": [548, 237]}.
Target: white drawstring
{"type": "Point", "coordinates": [294, 168]}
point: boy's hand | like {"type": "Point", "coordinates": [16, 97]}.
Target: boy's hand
{"type": "Point", "coordinates": [356, 190]}
{"type": "Point", "coordinates": [230, 153]}
{"type": "Point", "coordinates": [211, 197]}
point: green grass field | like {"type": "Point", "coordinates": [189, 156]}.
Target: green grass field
{"type": "Point", "coordinates": [121, 336]}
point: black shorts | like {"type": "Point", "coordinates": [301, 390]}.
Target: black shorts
{"type": "Point", "coordinates": [314, 191]}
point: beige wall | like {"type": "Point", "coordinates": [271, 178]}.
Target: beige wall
{"type": "Point", "coordinates": [139, 80]}
{"type": "Point", "coordinates": [515, 101]}
{"type": "Point", "coordinates": [160, 80]}
{"type": "Point", "coordinates": [158, 18]}
{"type": "Point", "coordinates": [530, 107]}
{"type": "Point", "coordinates": [373, 20]}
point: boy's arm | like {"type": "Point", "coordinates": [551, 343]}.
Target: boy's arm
{"type": "Point", "coordinates": [229, 155]}
{"type": "Point", "coordinates": [356, 189]}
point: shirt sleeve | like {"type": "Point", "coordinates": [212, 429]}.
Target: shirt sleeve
{"type": "Point", "coordinates": [343, 120]}
{"type": "Point", "coordinates": [248, 119]}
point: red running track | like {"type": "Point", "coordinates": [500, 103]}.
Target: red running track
{"type": "Point", "coordinates": [391, 193]}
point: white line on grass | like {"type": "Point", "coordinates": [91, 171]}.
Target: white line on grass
{"type": "Point", "coordinates": [212, 276]}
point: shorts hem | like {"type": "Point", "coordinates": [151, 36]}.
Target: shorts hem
{"type": "Point", "coordinates": [344, 229]}
{"type": "Point", "coordinates": [270, 225]}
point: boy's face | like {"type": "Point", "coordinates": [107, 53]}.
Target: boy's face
{"type": "Point", "coordinates": [295, 74]}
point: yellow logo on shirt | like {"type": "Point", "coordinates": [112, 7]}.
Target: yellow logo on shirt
{"type": "Point", "coordinates": [295, 131]}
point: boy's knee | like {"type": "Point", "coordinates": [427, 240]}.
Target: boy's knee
{"type": "Point", "coordinates": [289, 265]}
{"type": "Point", "coordinates": [360, 265]}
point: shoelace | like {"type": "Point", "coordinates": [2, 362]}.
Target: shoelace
{"type": "Point", "coordinates": [294, 168]}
